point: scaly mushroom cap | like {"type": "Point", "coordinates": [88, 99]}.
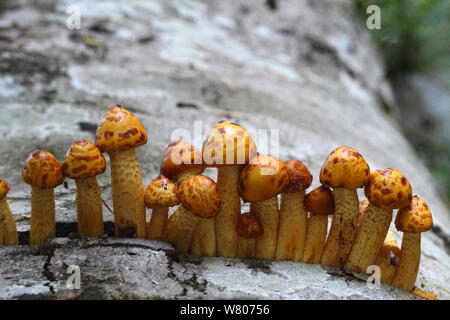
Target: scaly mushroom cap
{"type": "Point", "coordinates": [241, 147]}
{"type": "Point", "coordinates": [42, 170]}
{"type": "Point", "coordinates": [248, 226]}
{"type": "Point", "coordinates": [178, 157]}
{"type": "Point", "coordinates": [414, 218]}
{"type": "Point", "coordinates": [83, 160]}
{"type": "Point", "coordinates": [388, 189]}
{"type": "Point", "coordinates": [299, 176]}
{"type": "Point", "coordinates": [320, 201]}
{"type": "Point", "coordinates": [263, 178]}
{"type": "Point", "coordinates": [161, 192]}
{"type": "Point", "coordinates": [119, 130]}
{"type": "Point", "coordinates": [344, 168]}
{"type": "Point", "coordinates": [4, 188]}
{"type": "Point", "coordinates": [200, 195]}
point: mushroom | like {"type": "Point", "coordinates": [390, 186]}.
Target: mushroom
{"type": "Point", "coordinates": [8, 231]}
{"type": "Point", "coordinates": [43, 172]}
{"type": "Point", "coordinates": [260, 183]}
{"type": "Point", "coordinates": [344, 170]}
{"type": "Point", "coordinates": [199, 197]}
{"type": "Point", "coordinates": [387, 258]}
{"type": "Point", "coordinates": [204, 239]}
{"type": "Point", "coordinates": [160, 194]}
{"type": "Point", "coordinates": [249, 229]}
{"type": "Point", "coordinates": [83, 162]}
{"type": "Point", "coordinates": [412, 221]}
{"type": "Point", "coordinates": [229, 147]}
{"type": "Point", "coordinates": [293, 216]}
{"type": "Point", "coordinates": [320, 203]}
{"type": "Point", "coordinates": [118, 134]}
{"type": "Point", "coordinates": [386, 190]}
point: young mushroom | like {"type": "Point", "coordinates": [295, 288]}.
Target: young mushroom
{"type": "Point", "coordinates": [228, 147]}
{"type": "Point", "coordinates": [293, 216]}
{"type": "Point", "coordinates": [160, 194]}
{"type": "Point", "coordinates": [43, 172]}
{"type": "Point", "coordinates": [249, 229]}
{"type": "Point", "coordinates": [204, 239]}
{"type": "Point", "coordinates": [199, 197]}
{"type": "Point", "coordinates": [8, 231]}
{"type": "Point", "coordinates": [412, 221]}
{"type": "Point", "coordinates": [386, 190]}
{"type": "Point", "coordinates": [118, 134]}
{"type": "Point", "coordinates": [387, 258]}
{"type": "Point", "coordinates": [83, 162]}
{"type": "Point", "coordinates": [344, 170]}
{"type": "Point", "coordinates": [320, 204]}
{"type": "Point", "coordinates": [260, 183]}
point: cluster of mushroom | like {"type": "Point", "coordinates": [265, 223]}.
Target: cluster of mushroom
{"type": "Point", "coordinates": [209, 221]}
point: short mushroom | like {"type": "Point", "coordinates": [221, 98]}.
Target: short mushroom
{"type": "Point", "coordinates": [83, 162]}
{"type": "Point", "coordinates": [293, 216]}
{"type": "Point", "coordinates": [249, 229]}
{"type": "Point", "coordinates": [228, 147]}
{"type": "Point", "coordinates": [386, 190]}
{"type": "Point", "coordinates": [412, 221]}
{"type": "Point", "coordinates": [8, 231]}
{"type": "Point", "coordinates": [320, 204]}
{"type": "Point", "coordinates": [260, 182]}
{"type": "Point", "coordinates": [43, 172]}
{"type": "Point", "coordinates": [204, 239]}
{"type": "Point", "coordinates": [387, 258]}
{"type": "Point", "coordinates": [199, 197]}
{"type": "Point", "coordinates": [160, 194]}
{"type": "Point", "coordinates": [118, 134]}
{"type": "Point", "coordinates": [344, 170]}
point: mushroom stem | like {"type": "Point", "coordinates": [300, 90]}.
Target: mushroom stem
{"type": "Point", "coordinates": [226, 219]}
{"type": "Point", "coordinates": [369, 239]}
{"type": "Point", "coordinates": [246, 248]}
{"type": "Point", "coordinates": [387, 264]}
{"type": "Point", "coordinates": [127, 194]}
{"type": "Point", "coordinates": [343, 228]}
{"type": "Point", "coordinates": [8, 231]}
{"type": "Point", "coordinates": [180, 229]}
{"type": "Point", "coordinates": [268, 215]}
{"type": "Point", "coordinates": [42, 222]}
{"type": "Point", "coordinates": [89, 207]}
{"type": "Point", "coordinates": [315, 238]}
{"type": "Point", "coordinates": [204, 239]}
{"type": "Point", "coordinates": [157, 224]}
{"type": "Point", "coordinates": [292, 227]}
{"type": "Point", "coordinates": [408, 266]}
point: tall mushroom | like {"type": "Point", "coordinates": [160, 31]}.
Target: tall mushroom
{"type": "Point", "coordinates": [344, 170]}
{"type": "Point", "coordinates": [412, 221]}
{"type": "Point", "coordinates": [229, 147]}
{"type": "Point", "coordinates": [118, 134]}
{"type": "Point", "coordinates": [249, 229]}
{"type": "Point", "coordinates": [8, 231]}
{"type": "Point", "coordinates": [260, 182]}
{"type": "Point", "coordinates": [320, 204]}
{"type": "Point", "coordinates": [83, 162]}
{"type": "Point", "coordinates": [199, 197]}
{"type": "Point", "coordinates": [386, 190]}
{"type": "Point", "coordinates": [160, 194]}
{"type": "Point", "coordinates": [43, 172]}
{"type": "Point", "coordinates": [293, 216]}
{"type": "Point", "coordinates": [387, 258]}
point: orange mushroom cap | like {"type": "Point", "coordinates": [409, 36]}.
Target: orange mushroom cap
{"type": "Point", "coordinates": [248, 226]}
{"type": "Point", "coordinates": [180, 156]}
{"type": "Point", "coordinates": [4, 188]}
{"type": "Point", "coordinates": [228, 144]}
{"type": "Point", "coordinates": [344, 168]}
{"type": "Point", "coordinates": [263, 178]}
{"type": "Point", "coordinates": [161, 192]}
{"type": "Point", "coordinates": [320, 201]}
{"type": "Point", "coordinates": [200, 195]}
{"type": "Point", "coordinates": [83, 160]}
{"type": "Point", "coordinates": [388, 189]}
{"type": "Point", "coordinates": [299, 176]}
{"type": "Point", "coordinates": [414, 218]}
{"type": "Point", "coordinates": [119, 130]}
{"type": "Point", "coordinates": [42, 170]}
